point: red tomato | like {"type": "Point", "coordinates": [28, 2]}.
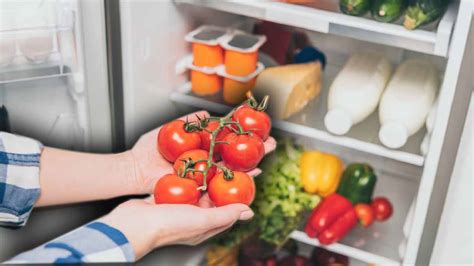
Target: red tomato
{"type": "Point", "coordinates": [195, 155]}
{"type": "Point", "coordinates": [206, 138]}
{"type": "Point", "coordinates": [243, 152]}
{"type": "Point", "coordinates": [173, 189]}
{"type": "Point", "coordinates": [252, 120]}
{"type": "Point", "coordinates": [173, 140]}
{"type": "Point", "coordinates": [365, 214]}
{"type": "Point", "coordinates": [240, 189]}
{"type": "Point", "coordinates": [272, 261]}
{"type": "Point", "coordinates": [295, 260]}
{"type": "Point", "coordinates": [382, 208]}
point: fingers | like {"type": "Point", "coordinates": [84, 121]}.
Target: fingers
{"type": "Point", "coordinates": [227, 215]}
{"type": "Point", "coordinates": [254, 172]}
{"type": "Point", "coordinates": [269, 145]}
{"type": "Point", "coordinates": [212, 233]}
{"type": "Point", "coordinates": [191, 117]}
{"type": "Point", "coordinates": [150, 199]}
{"type": "Point", "coordinates": [205, 202]}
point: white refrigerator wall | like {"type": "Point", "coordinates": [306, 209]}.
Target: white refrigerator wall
{"type": "Point", "coordinates": [454, 240]}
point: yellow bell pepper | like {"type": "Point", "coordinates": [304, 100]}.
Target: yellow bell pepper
{"type": "Point", "coordinates": [320, 172]}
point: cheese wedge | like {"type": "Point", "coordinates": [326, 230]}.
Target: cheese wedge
{"type": "Point", "coordinates": [290, 87]}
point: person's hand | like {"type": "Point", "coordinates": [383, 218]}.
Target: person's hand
{"type": "Point", "coordinates": [148, 226]}
{"type": "Point", "coordinates": [150, 165]}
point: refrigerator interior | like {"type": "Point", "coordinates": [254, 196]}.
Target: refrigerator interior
{"type": "Point", "coordinates": [41, 73]}
{"type": "Point", "coordinates": [153, 72]}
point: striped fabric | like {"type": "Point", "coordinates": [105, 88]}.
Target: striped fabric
{"type": "Point", "coordinates": [95, 242]}
{"type": "Point", "coordinates": [19, 178]}
{"type": "Point", "coordinates": [19, 190]}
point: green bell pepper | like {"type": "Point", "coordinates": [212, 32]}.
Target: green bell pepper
{"type": "Point", "coordinates": [358, 183]}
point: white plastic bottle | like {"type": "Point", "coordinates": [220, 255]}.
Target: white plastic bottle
{"type": "Point", "coordinates": [407, 101]}
{"type": "Point", "coordinates": [356, 91]}
{"type": "Point", "coordinates": [430, 120]}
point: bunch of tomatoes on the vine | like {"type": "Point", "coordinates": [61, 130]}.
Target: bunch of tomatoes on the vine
{"type": "Point", "coordinates": [195, 148]}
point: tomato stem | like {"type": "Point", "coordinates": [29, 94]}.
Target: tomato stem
{"type": "Point", "coordinates": [220, 167]}
{"type": "Point", "coordinates": [191, 126]}
{"type": "Point", "coordinates": [225, 121]}
{"type": "Point", "coordinates": [254, 104]}
{"type": "Point", "coordinates": [263, 104]}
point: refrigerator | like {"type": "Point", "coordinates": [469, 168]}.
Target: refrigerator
{"type": "Point", "coordinates": [95, 75]}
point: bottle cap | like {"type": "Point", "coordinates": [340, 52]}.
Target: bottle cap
{"type": "Point", "coordinates": [338, 121]}
{"type": "Point", "coordinates": [393, 135]}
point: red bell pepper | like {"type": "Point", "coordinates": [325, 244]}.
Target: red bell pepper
{"type": "Point", "coordinates": [331, 220]}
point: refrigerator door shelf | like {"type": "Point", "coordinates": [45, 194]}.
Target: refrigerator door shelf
{"type": "Point", "coordinates": [21, 73]}
{"type": "Point", "coordinates": [28, 53]}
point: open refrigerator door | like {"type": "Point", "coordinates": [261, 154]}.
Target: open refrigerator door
{"type": "Point", "coordinates": [53, 76]}
{"type": "Point", "coordinates": [43, 73]}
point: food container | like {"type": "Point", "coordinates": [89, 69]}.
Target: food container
{"type": "Point", "coordinates": [7, 50]}
{"type": "Point", "coordinates": [205, 40]}
{"type": "Point", "coordinates": [236, 87]}
{"type": "Point", "coordinates": [204, 80]}
{"type": "Point", "coordinates": [37, 46]}
{"type": "Point", "coordinates": [241, 53]}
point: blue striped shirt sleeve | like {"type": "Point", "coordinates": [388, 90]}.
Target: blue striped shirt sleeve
{"type": "Point", "coordinates": [94, 242]}
{"type": "Point", "coordinates": [19, 178]}
{"type": "Point", "coordinates": [20, 189]}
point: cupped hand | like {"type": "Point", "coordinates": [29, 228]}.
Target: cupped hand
{"type": "Point", "coordinates": [148, 226]}
{"type": "Point", "coordinates": [149, 165]}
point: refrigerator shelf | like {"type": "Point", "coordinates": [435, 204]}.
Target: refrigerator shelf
{"type": "Point", "coordinates": [324, 16]}
{"type": "Point", "coordinates": [34, 72]}
{"type": "Point", "coordinates": [310, 123]}
{"type": "Point", "coordinates": [345, 250]}
{"type": "Point", "coordinates": [379, 243]}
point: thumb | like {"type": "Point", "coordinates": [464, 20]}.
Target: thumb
{"type": "Point", "coordinates": [229, 214]}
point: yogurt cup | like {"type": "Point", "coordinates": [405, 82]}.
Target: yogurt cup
{"type": "Point", "coordinates": [204, 80]}
{"type": "Point", "coordinates": [205, 41]}
{"type": "Point", "coordinates": [241, 53]}
{"type": "Point", "coordinates": [236, 87]}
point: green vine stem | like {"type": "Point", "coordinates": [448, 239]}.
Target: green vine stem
{"type": "Point", "coordinates": [225, 121]}
{"type": "Point", "coordinates": [210, 163]}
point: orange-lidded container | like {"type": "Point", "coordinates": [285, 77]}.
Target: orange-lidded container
{"type": "Point", "coordinates": [205, 81]}
{"type": "Point", "coordinates": [236, 87]}
{"type": "Point", "coordinates": [241, 53]}
{"type": "Point", "coordinates": [205, 40]}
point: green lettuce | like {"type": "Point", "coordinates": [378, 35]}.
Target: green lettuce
{"type": "Point", "coordinates": [280, 202]}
